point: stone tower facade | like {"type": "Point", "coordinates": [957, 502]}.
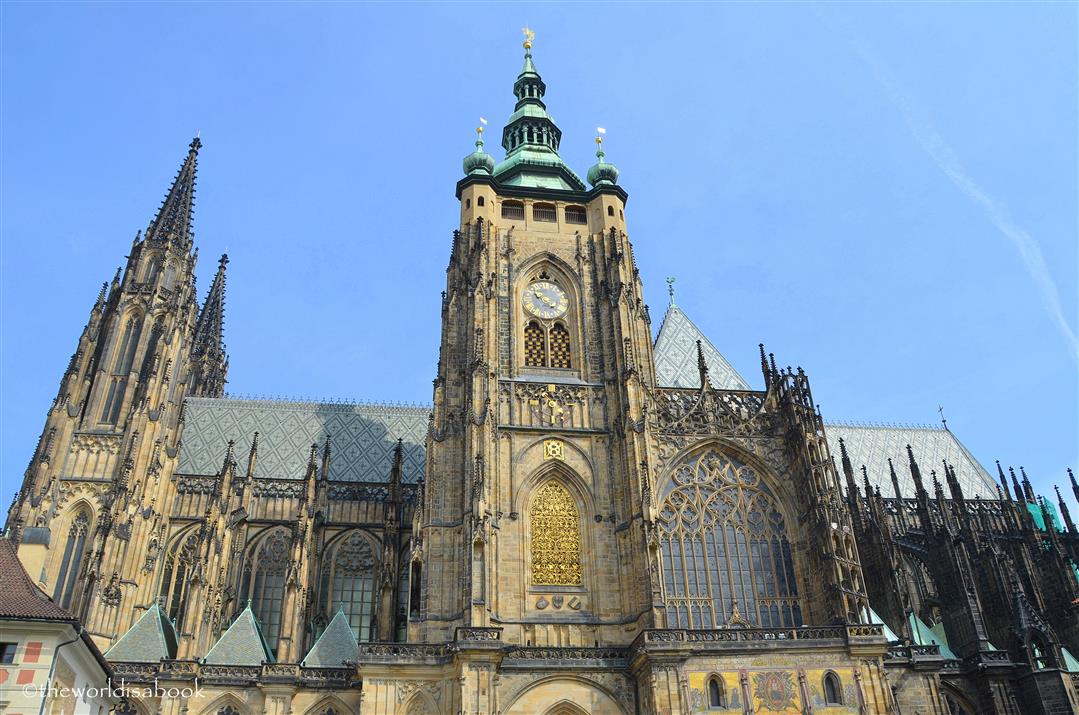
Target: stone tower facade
{"type": "Point", "coordinates": [585, 520]}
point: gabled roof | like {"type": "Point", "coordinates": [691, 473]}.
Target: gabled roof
{"type": "Point", "coordinates": [676, 356]}
{"type": "Point", "coordinates": [924, 635]}
{"type": "Point", "coordinates": [19, 596]}
{"type": "Point", "coordinates": [241, 644]}
{"type": "Point", "coordinates": [874, 445]}
{"type": "Point", "coordinates": [335, 646]}
{"type": "Point", "coordinates": [149, 639]}
{"type": "Point", "coordinates": [362, 437]}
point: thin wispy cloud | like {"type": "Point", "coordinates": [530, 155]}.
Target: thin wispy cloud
{"type": "Point", "coordinates": [942, 154]}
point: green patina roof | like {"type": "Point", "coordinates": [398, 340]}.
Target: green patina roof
{"type": "Point", "coordinates": [241, 644]}
{"type": "Point", "coordinates": [150, 639]}
{"type": "Point", "coordinates": [1069, 661]}
{"type": "Point", "coordinates": [924, 635]}
{"type": "Point", "coordinates": [336, 646]}
{"type": "Point", "coordinates": [1036, 512]}
{"type": "Point", "coordinates": [531, 139]}
{"type": "Point", "coordinates": [888, 632]}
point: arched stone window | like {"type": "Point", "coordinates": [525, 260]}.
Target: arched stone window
{"type": "Point", "coordinates": [560, 351]}
{"type": "Point", "coordinates": [121, 369]}
{"type": "Point", "coordinates": [535, 345]}
{"type": "Point", "coordinates": [726, 555]}
{"type": "Point", "coordinates": [717, 694]}
{"type": "Point", "coordinates": [175, 577]}
{"type": "Point", "coordinates": [264, 581]}
{"type": "Point", "coordinates": [348, 582]}
{"type": "Point", "coordinates": [556, 537]}
{"type": "Point", "coordinates": [833, 690]}
{"type": "Point", "coordinates": [71, 563]}
{"type": "Point", "coordinates": [955, 703]}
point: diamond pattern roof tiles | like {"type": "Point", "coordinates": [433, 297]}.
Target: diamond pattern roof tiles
{"type": "Point", "coordinates": [362, 437]}
{"type": "Point", "coordinates": [874, 445]}
{"type": "Point", "coordinates": [676, 356]}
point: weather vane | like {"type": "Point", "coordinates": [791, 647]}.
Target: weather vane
{"type": "Point", "coordinates": [529, 35]}
{"type": "Point", "coordinates": [940, 409]}
{"type": "Point", "coordinates": [670, 288]}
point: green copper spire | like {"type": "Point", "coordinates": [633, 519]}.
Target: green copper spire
{"type": "Point", "coordinates": [602, 173]}
{"type": "Point", "coordinates": [531, 137]}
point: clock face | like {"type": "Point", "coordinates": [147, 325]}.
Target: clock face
{"type": "Point", "coordinates": [544, 299]}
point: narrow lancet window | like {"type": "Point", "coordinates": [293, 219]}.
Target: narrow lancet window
{"type": "Point", "coordinates": [535, 345]}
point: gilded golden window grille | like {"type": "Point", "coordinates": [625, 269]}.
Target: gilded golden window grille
{"type": "Point", "coordinates": [726, 555]}
{"type": "Point", "coordinates": [535, 345]}
{"type": "Point", "coordinates": [556, 537]}
{"type": "Point", "coordinates": [560, 352]}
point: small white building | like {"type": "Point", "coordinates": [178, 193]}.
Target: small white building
{"type": "Point", "coordinates": [48, 663]}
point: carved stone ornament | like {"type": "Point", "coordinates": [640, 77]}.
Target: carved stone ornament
{"type": "Point", "coordinates": [554, 449]}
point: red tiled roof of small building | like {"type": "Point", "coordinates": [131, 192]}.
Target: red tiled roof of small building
{"type": "Point", "coordinates": [19, 596]}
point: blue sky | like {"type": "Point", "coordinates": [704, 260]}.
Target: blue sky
{"type": "Point", "coordinates": [884, 194]}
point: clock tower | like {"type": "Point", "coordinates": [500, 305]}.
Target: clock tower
{"type": "Point", "coordinates": [532, 519]}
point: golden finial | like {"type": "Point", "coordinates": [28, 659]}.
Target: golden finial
{"type": "Point", "coordinates": [529, 35]}
{"type": "Point", "coordinates": [600, 131]}
{"type": "Point", "coordinates": [479, 129]}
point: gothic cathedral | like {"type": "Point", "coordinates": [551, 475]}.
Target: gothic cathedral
{"type": "Point", "coordinates": [589, 518]}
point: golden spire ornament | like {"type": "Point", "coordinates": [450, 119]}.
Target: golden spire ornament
{"type": "Point", "coordinates": [529, 35]}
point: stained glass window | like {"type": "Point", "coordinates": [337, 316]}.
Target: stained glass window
{"type": "Point", "coordinates": [72, 559]}
{"type": "Point", "coordinates": [264, 582]}
{"type": "Point", "coordinates": [556, 537]}
{"type": "Point", "coordinates": [535, 345]}
{"type": "Point", "coordinates": [174, 579]}
{"type": "Point", "coordinates": [726, 558]}
{"type": "Point", "coordinates": [560, 356]}
{"type": "Point", "coordinates": [348, 583]}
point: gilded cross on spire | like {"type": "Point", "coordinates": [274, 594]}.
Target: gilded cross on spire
{"type": "Point", "coordinates": [529, 35]}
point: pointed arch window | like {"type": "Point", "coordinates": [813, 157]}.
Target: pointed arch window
{"type": "Point", "coordinates": [176, 575]}
{"type": "Point", "coordinates": [71, 563]}
{"type": "Point", "coordinates": [121, 369]}
{"type": "Point", "coordinates": [556, 537]}
{"type": "Point", "coordinates": [717, 694]}
{"type": "Point", "coordinates": [726, 557]}
{"type": "Point", "coordinates": [535, 345]}
{"type": "Point", "coordinates": [264, 582]}
{"type": "Point", "coordinates": [560, 351]}
{"type": "Point", "coordinates": [348, 582]}
{"type": "Point", "coordinates": [833, 690]}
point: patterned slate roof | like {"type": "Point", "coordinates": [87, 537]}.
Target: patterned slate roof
{"type": "Point", "coordinates": [19, 597]}
{"type": "Point", "coordinates": [362, 437]}
{"type": "Point", "coordinates": [241, 644]}
{"type": "Point", "coordinates": [148, 640]}
{"type": "Point", "coordinates": [676, 356]}
{"type": "Point", "coordinates": [335, 646]}
{"type": "Point", "coordinates": [873, 445]}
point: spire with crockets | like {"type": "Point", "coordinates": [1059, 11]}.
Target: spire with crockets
{"type": "Point", "coordinates": [210, 361]}
{"type": "Point", "coordinates": [173, 219]}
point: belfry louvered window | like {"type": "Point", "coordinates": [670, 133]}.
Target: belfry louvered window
{"type": "Point", "coordinates": [535, 345]}
{"type": "Point", "coordinates": [71, 563]}
{"type": "Point", "coordinates": [547, 346]}
{"type": "Point", "coordinates": [175, 577]}
{"type": "Point", "coordinates": [348, 583]}
{"type": "Point", "coordinates": [264, 582]}
{"type": "Point", "coordinates": [559, 342]}
{"type": "Point", "coordinates": [726, 557]}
